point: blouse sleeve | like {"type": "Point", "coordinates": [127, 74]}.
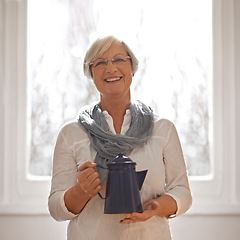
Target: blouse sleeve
{"type": "Point", "coordinates": [64, 176]}
{"type": "Point", "coordinates": [177, 185]}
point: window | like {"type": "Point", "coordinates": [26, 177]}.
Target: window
{"type": "Point", "coordinates": [22, 193]}
{"type": "Point", "coordinates": [172, 42]}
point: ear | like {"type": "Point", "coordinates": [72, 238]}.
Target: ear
{"type": "Point", "coordinates": [132, 73]}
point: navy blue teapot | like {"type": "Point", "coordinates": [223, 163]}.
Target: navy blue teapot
{"type": "Point", "coordinates": [123, 186]}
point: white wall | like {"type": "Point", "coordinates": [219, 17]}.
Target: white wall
{"type": "Point", "coordinates": [186, 227]}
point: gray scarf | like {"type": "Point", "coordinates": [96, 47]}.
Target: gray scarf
{"type": "Point", "coordinates": [109, 145]}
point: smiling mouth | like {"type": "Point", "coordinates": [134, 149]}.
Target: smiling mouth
{"type": "Point", "coordinates": [112, 79]}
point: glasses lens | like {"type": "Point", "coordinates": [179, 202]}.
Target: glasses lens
{"type": "Point", "coordinates": [118, 61]}
{"type": "Point", "coordinates": [100, 64]}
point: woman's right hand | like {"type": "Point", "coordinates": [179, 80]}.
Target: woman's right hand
{"type": "Point", "coordinates": [88, 185]}
{"type": "Point", "coordinates": [88, 179]}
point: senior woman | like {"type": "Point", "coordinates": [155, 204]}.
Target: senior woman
{"type": "Point", "coordinates": [116, 124]}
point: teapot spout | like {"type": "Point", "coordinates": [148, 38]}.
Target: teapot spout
{"type": "Point", "coordinates": [141, 177]}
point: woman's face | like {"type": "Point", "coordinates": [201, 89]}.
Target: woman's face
{"type": "Point", "coordinates": [112, 72]}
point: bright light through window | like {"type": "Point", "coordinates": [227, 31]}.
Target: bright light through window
{"type": "Point", "coordinates": [172, 41]}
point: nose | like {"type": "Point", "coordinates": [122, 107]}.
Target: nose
{"type": "Point", "coordinates": [110, 67]}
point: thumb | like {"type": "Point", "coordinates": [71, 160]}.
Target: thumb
{"type": "Point", "coordinates": [86, 165]}
{"type": "Point", "coordinates": [151, 205]}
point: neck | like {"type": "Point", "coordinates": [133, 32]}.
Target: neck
{"type": "Point", "coordinates": [116, 107]}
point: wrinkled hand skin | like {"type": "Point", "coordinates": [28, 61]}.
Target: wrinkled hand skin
{"type": "Point", "coordinates": [88, 179]}
{"type": "Point", "coordinates": [88, 185]}
{"type": "Point", "coordinates": [150, 209]}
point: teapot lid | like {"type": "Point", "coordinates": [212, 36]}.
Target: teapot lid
{"type": "Point", "coordinates": [121, 159]}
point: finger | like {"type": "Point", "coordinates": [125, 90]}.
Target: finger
{"type": "Point", "coordinates": [127, 221]}
{"type": "Point", "coordinates": [97, 189]}
{"type": "Point", "coordinates": [88, 179]}
{"type": "Point", "coordinates": [140, 217]}
{"type": "Point", "coordinates": [86, 173]}
{"type": "Point", "coordinates": [90, 185]}
{"type": "Point", "coordinates": [136, 215]}
{"type": "Point", "coordinates": [94, 181]}
{"type": "Point", "coordinates": [131, 218]}
{"type": "Point", "coordinates": [92, 176]}
{"type": "Point", "coordinates": [92, 191]}
{"type": "Point", "coordinates": [151, 205]}
{"type": "Point", "coordinates": [133, 215]}
{"type": "Point", "coordinates": [86, 165]}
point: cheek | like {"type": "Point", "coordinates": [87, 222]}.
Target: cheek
{"type": "Point", "coordinates": [96, 78]}
{"type": "Point", "coordinates": [96, 83]}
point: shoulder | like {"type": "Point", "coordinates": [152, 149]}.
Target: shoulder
{"type": "Point", "coordinates": [162, 127]}
{"type": "Point", "coordinates": [162, 122]}
{"type": "Point", "coordinates": [73, 131]}
{"type": "Point", "coordinates": [71, 127]}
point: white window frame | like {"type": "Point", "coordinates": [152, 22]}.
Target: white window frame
{"type": "Point", "coordinates": [218, 194]}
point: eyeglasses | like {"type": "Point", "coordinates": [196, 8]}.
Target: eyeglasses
{"type": "Point", "coordinates": [101, 63]}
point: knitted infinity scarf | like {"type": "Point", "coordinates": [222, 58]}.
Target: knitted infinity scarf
{"type": "Point", "coordinates": [108, 145]}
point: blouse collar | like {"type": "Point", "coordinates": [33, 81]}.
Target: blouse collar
{"type": "Point", "coordinates": [125, 125]}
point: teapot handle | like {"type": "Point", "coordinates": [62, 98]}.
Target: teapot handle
{"type": "Point", "coordinates": [100, 195]}
{"type": "Point", "coordinates": [98, 165]}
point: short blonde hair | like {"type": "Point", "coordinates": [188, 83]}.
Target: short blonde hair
{"type": "Point", "coordinates": [100, 46]}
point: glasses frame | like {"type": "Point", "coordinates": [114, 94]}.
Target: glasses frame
{"type": "Point", "coordinates": [106, 61]}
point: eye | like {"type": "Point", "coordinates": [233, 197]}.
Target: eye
{"type": "Point", "coordinates": [100, 63]}
{"type": "Point", "coordinates": [118, 60]}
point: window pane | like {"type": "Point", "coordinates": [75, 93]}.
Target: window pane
{"type": "Point", "coordinates": [173, 42]}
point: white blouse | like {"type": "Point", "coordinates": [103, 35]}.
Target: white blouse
{"type": "Point", "coordinates": [161, 155]}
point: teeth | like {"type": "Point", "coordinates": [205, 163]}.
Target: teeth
{"type": "Point", "coordinates": [112, 79]}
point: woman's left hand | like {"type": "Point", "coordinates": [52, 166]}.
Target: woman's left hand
{"type": "Point", "coordinates": [150, 209]}
{"type": "Point", "coordinates": [163, 206]}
